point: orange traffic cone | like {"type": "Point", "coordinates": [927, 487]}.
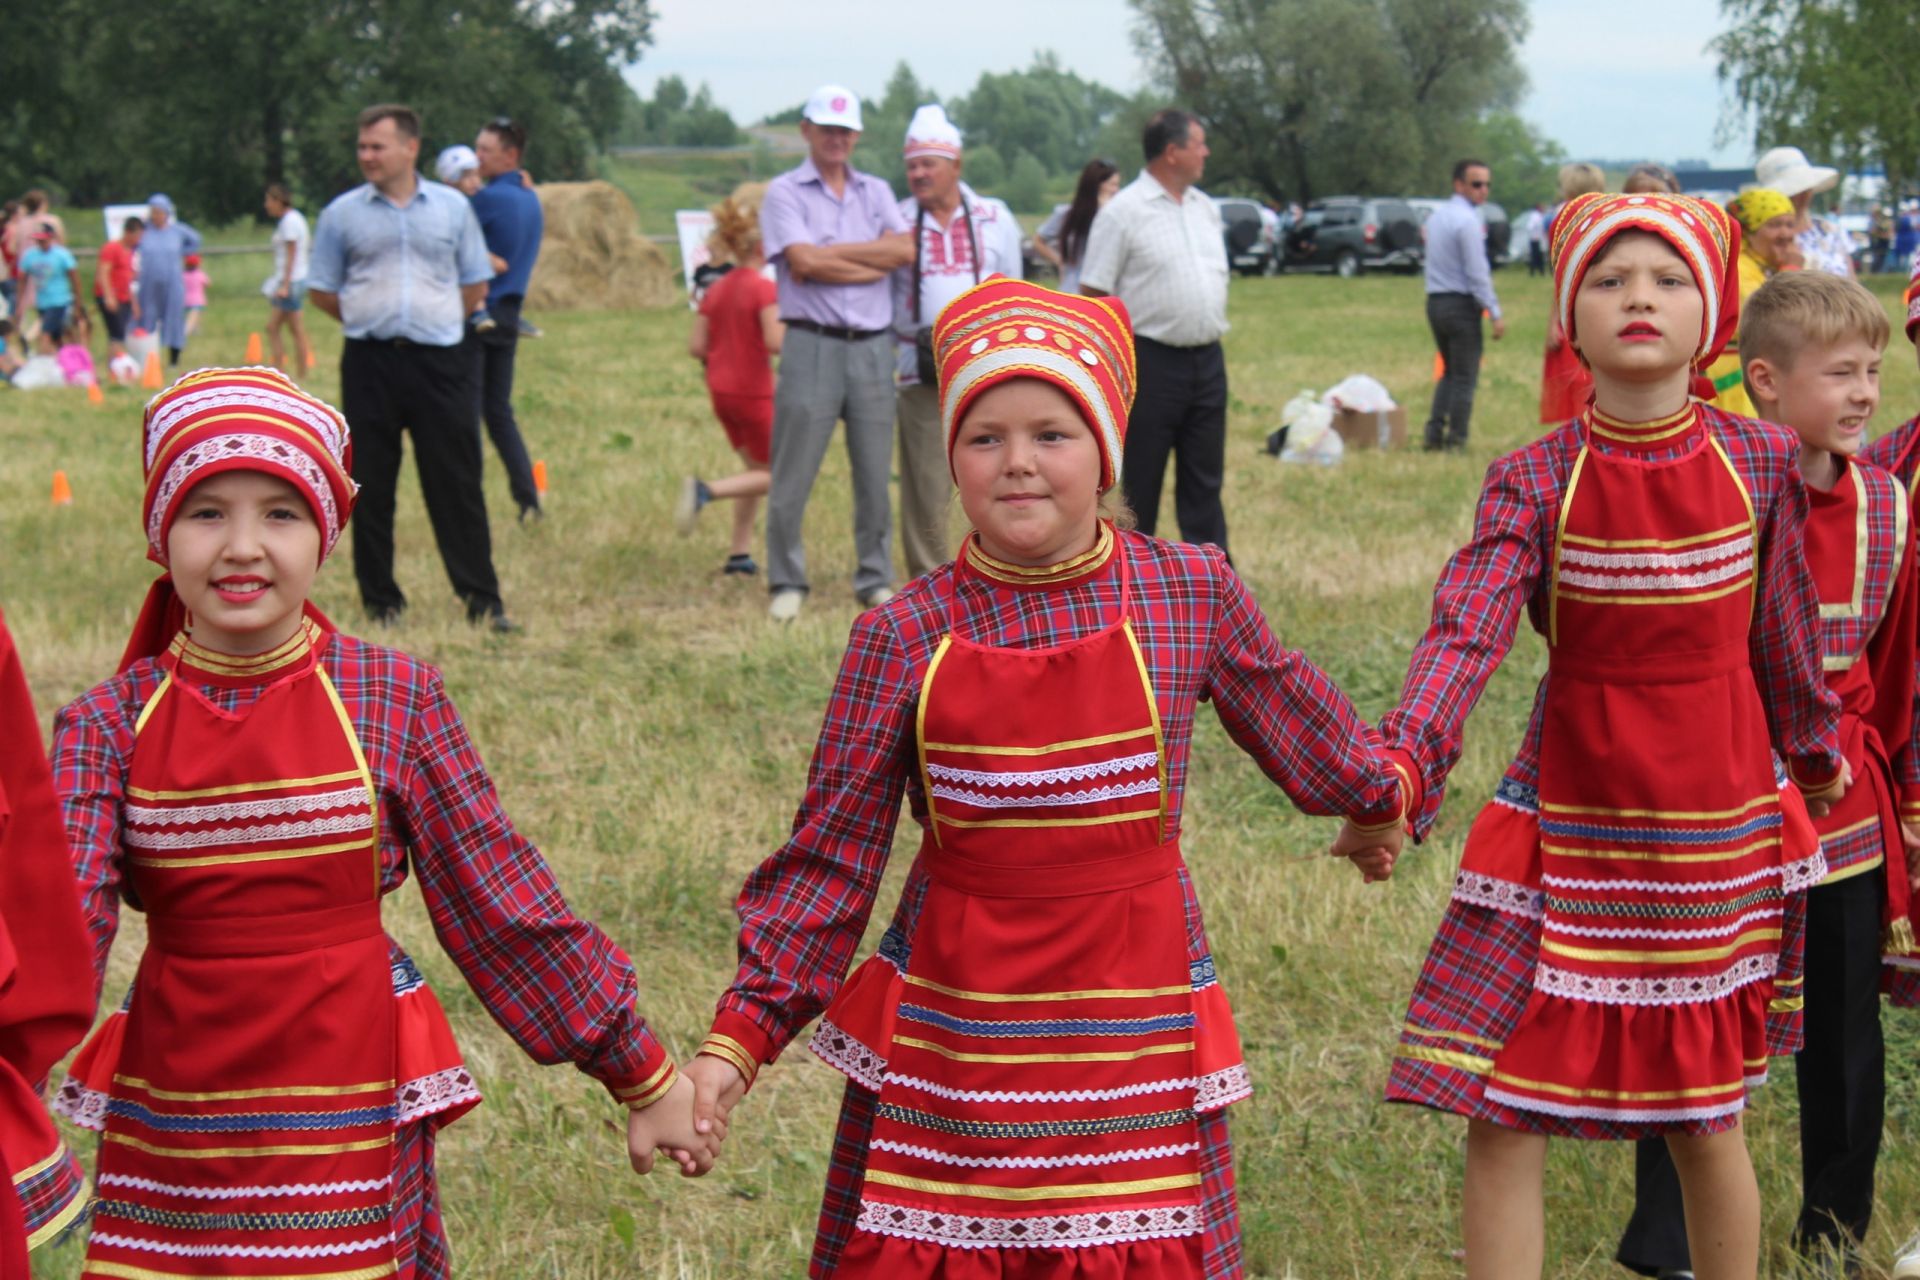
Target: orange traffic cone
{"type": "Point", "coordinates": [540, 478]}
{"type": "Point", "coordinates": [93, 392]}
{"type": "Point", "coordinates": [1439, 366]}
{"type": "Point", "coordinates": [253, 349]}
{"type": "Point", "coordinates": [62, 491]}
{"type": "Point", "coordinates": [150, 376]}
{"type": "Point", "coordinates": [312, 360]}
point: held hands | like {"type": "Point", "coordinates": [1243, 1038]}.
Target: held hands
{"type": "Point", "coordinates": [1372, 851]}
{"type": "Point", "coordinates": [668, 1125]}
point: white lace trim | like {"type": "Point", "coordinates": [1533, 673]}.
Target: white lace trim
{"type": "Point", "coordinates": [1667, 886]}
{"type": "Point", "coordinates": [261, 448]}
{"type": "Point", "coordinates": [85, 1107]}
{"type": "Point", "coordinates": [339, 824]}
{"type": "Point", "coordinates": [1657, 582]}
{"type": "Point", "coordinates": [1495, 894]}
{"type": "Point", "coordinates": [848, 1056]}
{"type": "Point", "coordinates": [431, 1094]}
{"type": "Point", "coordinates": [1740, 546]}
{"type": "Point", "coordinates": [244, 1250]}
{"type": "Point", "coordinates": [1711, 931]}
{"type": "Point", "coordinates": [1909, 963]}
{"type": "Point", "coordinates": [1039, 1095]}
{"type": "Point", "coordinates": [1798, 877]}
{"type": "Point", "coordinates": [1053, 1231]}
{"type": "Point", "coordinates": [253, 397]}
{"type": "Point", "coordinates": [1034, 1162]}
{"type": "Point", "coordinates": [1649, 1114]}
{"type": "Point", "coordinates": [1660, 990]}
{"type": "Point", "coordinates": [152, 816]}
{"type": "Point", "coordinates": [1046, 777]}
{"type": "Point", "coordinates": [1092, 795]}
{"type": "Point", "coordinates": [1219, 1088]}
{"type": "Point", "coordinates": [1754, 1082]}
{"type": "Point", "coordinates": [241, 1193]}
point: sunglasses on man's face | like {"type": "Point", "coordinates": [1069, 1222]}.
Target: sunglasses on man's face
{"type": "Point", "coordinates": [1480, 185]}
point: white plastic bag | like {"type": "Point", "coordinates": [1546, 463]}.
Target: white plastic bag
{"type": "Point", "coordinates": [1310, 433]}
{"type": "Point", "coordinates": [38, 372]}
{"type": "Point", "coordinates": [1359, 391]}
{"type": "Point", "coordinates": [141, 343]}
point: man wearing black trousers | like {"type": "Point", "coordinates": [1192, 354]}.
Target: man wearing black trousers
{"type": "Point", "coordinates": [400, 262]}
{"type": "Point", "coordinates": [511, 221]}
{"type": "Point", "coordinates": [1160, 248]}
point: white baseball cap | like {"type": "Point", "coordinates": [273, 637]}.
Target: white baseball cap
{"type": "Point", "coordinates": [455, 161]}
{"type": "Point", "coordinates": [833, 105]}
{"type": "Point", "coordinates": [1787, 171]}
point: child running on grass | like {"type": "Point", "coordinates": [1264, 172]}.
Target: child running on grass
{"type": "Point", "coordinates": [255, 781]}
{"type": "Point", "coordinates": [1040, 1055]}
{"type": "Point", "coordinates": [736, 335]}
{"type": "Point", "coordinates": [194, 281]}
{"type": "Point", "coordinates": [1622, 923]}
{"type": "Point", "coordinates": [1810, 345]}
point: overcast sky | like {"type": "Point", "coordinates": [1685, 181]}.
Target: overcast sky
{"type": "Point", "coordinates": [1601, 84]}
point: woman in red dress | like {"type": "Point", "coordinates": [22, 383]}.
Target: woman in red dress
{"type": "Point", "coordinates": [1039, 1055]}
{"type": "Point", "coordinates": [46, 992]}
{"type": "Point", "coordinates": [1624, 918]}
{"type": "Point", "coordinates": [255, 782]}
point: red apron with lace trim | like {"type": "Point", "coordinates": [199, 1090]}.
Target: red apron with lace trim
{"type": "Point", "coordinates": [1660, 818]}
{"type": "Point", "coordinates": [248, 1090]}
{"type": "Point", "coordinates": [1042, 1049]}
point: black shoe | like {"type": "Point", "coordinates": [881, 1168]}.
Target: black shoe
{"type": "Point", "coordinates": [531, 513]}
{"type": "Point", "coordinates": [387, 618]}
{"type": "Point", "coordinates": [493, 619]}
{"type": "Point", "coordinates": [742, 565]}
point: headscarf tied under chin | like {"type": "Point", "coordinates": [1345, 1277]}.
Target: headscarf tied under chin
{"type": "Point", "coordinates": [217, 420]}
{"type": "Point", "coordinates": [1704, 236]}
{"type": "Point", "coordinates": [1004, 329]}
{"type": "Point", "coordinates": [1757, 206]}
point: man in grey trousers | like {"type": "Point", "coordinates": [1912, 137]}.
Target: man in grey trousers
{"type": "Point", "coordinates": [833, 235]}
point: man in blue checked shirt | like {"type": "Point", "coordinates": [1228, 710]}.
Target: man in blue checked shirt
{"type": "Point", "coordinates": [400, 263]}
{"type": "Point", "coordinates": [1459, 288]}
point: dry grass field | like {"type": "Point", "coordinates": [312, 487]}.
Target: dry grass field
{"type": "Point", "coordinates": [650, 732]}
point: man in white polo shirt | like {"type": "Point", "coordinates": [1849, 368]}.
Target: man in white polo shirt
{"type": "Point", "coordinates": [962, 238]}
{"type": "Point", "coordinates": [1159, 247]}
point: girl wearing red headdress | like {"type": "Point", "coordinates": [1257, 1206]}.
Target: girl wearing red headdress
{"type": "Point", "coordinates": [255, 782]}
{"type": "Point", "coordinates": [1619, 958]}
{"type": "Point", "coordinates": [1040, 1054]}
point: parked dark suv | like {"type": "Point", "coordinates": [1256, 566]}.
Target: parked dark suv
{"type": "Point", "coordinates": [1493, 216]}
{"type": "Point", "coordinates": [1349, 234]}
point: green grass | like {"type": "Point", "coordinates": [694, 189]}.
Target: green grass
{"type": "Point", "coordinates": [650, 732]}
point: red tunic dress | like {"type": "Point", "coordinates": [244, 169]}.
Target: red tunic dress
{"type": "Point", "coordinates": [1026, 660]}
{"type": "Point", "coordinates": [1620, 917]}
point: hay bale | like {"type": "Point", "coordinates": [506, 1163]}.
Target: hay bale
{"type": "Point", "coordinates": [594, 257]}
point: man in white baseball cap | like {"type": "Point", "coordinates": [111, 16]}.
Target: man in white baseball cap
{"type": "Point", "coordinates": [1823, 245]}
{"type": "Point", "coordinates": [833, 235]}
{"type": "Point", "coordinates": [961, 239]}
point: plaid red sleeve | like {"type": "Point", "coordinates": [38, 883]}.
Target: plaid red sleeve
{"type": "Point", "coordinates": [1803, 714]}
{"type": "Point", "coordinates": [803, 910]}
{"type": "Point", "coordinates": [1294, 721]}
{"type": "Point", "coordinates": [554, 982]}
{"type": "Point", "coordinates": [1476, 611]}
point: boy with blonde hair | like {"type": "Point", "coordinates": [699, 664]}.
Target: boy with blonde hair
{"type": "Point", "coordinates": [1810, 349]}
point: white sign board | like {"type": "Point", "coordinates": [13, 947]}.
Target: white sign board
{"type": "Point", "coordinates": [694, 226]}
{"type": "Point", "coordinates": [116, 214]}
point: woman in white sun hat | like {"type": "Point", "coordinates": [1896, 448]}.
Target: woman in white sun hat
{"type": "Point", "coordinates": [1823, 245]}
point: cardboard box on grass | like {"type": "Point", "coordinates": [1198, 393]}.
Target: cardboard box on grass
{"type": "Point", "coordinates": [1360, 429]}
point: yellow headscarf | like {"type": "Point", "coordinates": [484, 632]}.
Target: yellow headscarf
{"type": "Point", "coordinates": [1757, 206]}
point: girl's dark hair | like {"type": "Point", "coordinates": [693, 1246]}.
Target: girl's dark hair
{"type": "Point", "coordinates": [1086, 203]}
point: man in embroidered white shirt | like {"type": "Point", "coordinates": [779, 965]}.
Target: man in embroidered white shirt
{"type": "Point", "coordinates": [961, 239]}
{"type": "Point", "coordinates": [1159, 247]}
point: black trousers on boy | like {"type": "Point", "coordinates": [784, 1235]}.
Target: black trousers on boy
{"type": "Point", "coordinates": [1841, 1077]}
{"type": "Point", "coordinates": [391, 388]}
{"type": "Point", "coordinates": [1179, 410]}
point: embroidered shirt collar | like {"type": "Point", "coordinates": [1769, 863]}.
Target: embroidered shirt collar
{"type": "Point", "coordinates": [1069, 572]}
{"type": "Point", "coordinates": [1662, 432]}
{"type": "Point", "coordinates": [192, 660]}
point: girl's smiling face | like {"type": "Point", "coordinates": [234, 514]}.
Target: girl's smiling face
{"type": "Point", "coordinates": [243, 550]}
{"type": "Point", "coordinates": [1638, 312]}
{"type": "Point", "coordinates": [1028, 470]}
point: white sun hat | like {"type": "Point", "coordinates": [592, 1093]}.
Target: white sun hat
{"type": "Point", "coordinates": [1787, 171]}
{"type": "Point", "coordinates": [833, 105]}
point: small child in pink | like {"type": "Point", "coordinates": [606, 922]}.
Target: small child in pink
{"type": "Point", "coordinates": [195, 282]}
{"type": "Point", "coordinates": [76, 363]}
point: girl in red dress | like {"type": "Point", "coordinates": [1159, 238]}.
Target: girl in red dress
{"type": "Point", "coordinates": [255, 782]}
{"type": "Point", "coordinates": [46, 991]}
{"type": "Point", "coordinates": [1040, 1054]}
{"type": "Point", "coordinates": [1624, 917]}
{"type": "Point", "coordinates": [735, 336]}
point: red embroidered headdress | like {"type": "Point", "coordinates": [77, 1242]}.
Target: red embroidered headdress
{"type": "Point", "coordinates": [216, 420]}
{"type": "Point", "coordinates": [1701, 233]}
{"type": "Point", "coordinates": [1003, 329]}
